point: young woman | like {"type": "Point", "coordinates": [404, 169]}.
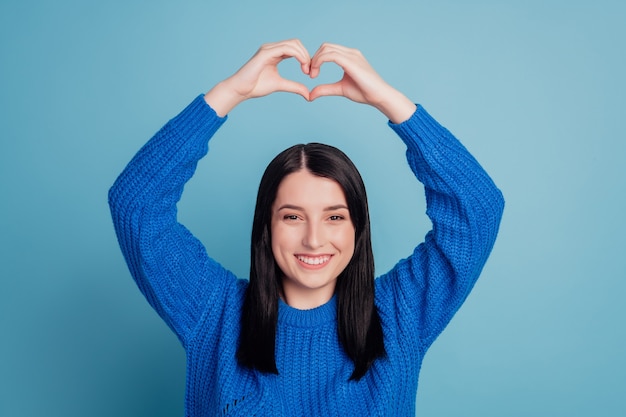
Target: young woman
{"type": "Point", "coordinates": [312, 333]}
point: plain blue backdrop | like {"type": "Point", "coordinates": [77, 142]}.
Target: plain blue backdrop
{"type": "Point", "coordinates": [534, 89]}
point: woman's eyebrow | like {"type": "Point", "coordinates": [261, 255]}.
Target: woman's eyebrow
{"type": "Point", "coordinates": [336, 207]}
{"type": "Point", "coordinates": [289, 207]}
{"type": "Point", "coordinates": [294, 207]}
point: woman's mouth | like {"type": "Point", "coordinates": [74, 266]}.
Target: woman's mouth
{"type": "Point", "coordinates": [313, 260]}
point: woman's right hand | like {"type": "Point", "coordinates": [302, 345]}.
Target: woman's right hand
{"type": "Point", "coordinates": [260, 77]}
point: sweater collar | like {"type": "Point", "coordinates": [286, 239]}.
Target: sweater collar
{"type": "Point", "coordinates": [307, 318]}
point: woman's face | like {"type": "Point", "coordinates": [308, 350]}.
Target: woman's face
{"type": "Point", "coordinates": [312, 237]}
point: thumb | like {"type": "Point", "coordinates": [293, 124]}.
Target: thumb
{"type": "Point", "coordinates": [326, 90]}
{"type": "Point", "coordinates": [294, 87]}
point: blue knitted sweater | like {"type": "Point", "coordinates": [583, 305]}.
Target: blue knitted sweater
{"type": "Point", "coordinates": [201, 301]}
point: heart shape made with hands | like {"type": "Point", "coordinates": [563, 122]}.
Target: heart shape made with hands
{"type": "Point", "coordinates": [357, 81]}
{"type": "Point", "coordinates": [293, 72]}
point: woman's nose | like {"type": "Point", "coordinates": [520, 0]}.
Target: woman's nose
{"type": "Point", "coordinates": [314, 236]}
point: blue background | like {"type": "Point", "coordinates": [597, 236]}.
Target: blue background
{"type": "Point", "coordinates": [534, 89]}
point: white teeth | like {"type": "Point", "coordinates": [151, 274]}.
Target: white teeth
{"type": "Point", "coordinates": [314, 260]}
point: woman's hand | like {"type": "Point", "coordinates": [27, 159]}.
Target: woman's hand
{"type": "Point", "coordinates": [259, 77]}
{"type": "Point", "coordinates": [360, 83]}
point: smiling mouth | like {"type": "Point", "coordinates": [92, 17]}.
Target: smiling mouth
{"type": "Point", "coordinates": [313, 260]}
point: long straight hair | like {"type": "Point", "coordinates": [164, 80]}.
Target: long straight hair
{"type": "Point", "coordinates": [358, 323]}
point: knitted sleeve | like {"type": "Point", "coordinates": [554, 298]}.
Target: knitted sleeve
{"type": "Point", "coordinates": [465, 208]}
{"type": "Point", "coordinates": [169, 265]}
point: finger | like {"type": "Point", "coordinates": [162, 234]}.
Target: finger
{"type": "Point", "coordinates": [315, 60]}
{"type": "Point", "coordinates": [326, 46]}
{"type": "Point", "coordinates": [305, 63]}
{"type": "Point", "coordinates": [302, 53]}
{"type": "Point", "coordinates": [322, 90]}
{"type": "Point", "coordinates": [289, 49]}
{"type": "Point", "coordinates": [298, 45]}
{"type": "Point", "coordinates": [331, 53]}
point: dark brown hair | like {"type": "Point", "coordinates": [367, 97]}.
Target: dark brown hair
{"type": "Point", "coordinates": [358, 322]}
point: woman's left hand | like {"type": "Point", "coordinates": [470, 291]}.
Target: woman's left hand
{"type": "Point", "coordinates": [360, 83]}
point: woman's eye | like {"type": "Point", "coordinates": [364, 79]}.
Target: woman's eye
{"type": "Point", "coordinates": [336, 217]}
{"type": "Point", "coordinates": [290, 217]}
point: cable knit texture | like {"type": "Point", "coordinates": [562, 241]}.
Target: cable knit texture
{"type": "Point", "coordinates": [201, 301]}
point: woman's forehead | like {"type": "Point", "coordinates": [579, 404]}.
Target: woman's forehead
{"type": "Point", "coordinates": [306, 190]}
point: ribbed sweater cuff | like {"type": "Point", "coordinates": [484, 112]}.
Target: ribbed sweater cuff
{"type": "Point", "coordinates": [420, 125]}
{"type": "Point", "coordinates": [198, 119]}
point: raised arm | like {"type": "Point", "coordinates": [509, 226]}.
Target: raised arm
{"type": "Point", "coordinates": [168, 263]}
{"type": "Point", "coordinates": [425, 290]}
{"type": "Point", "coordinates": [465, 208]}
